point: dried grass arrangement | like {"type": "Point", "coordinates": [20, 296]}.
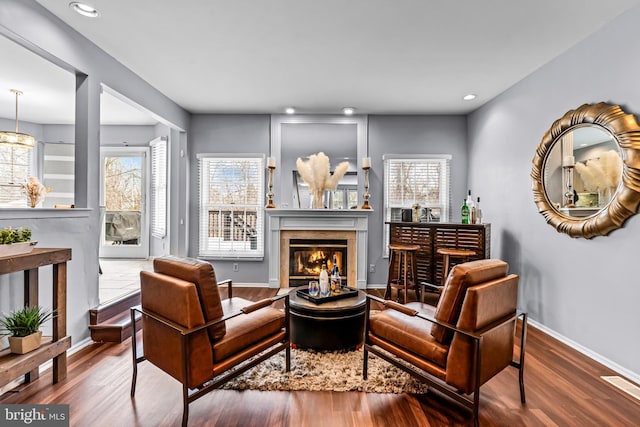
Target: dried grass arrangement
{"type": "Point", "coordinates": [316, 173]}
{"type": "Point", "coordinates": [34, 191]}
{"type": "Point", "coordinates": [601, 174]}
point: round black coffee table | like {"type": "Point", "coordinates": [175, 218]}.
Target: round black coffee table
{"type": "Point", "coordinates": [333, 325]}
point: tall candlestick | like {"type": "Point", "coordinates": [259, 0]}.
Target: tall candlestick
{"type": "Point", "coordinates": [271, 164]}
{"type": "Point", "coordinates": [366, 165]}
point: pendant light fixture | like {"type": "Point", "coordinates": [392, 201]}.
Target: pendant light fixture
{"type": "Point", "coordinates": [17, 139]}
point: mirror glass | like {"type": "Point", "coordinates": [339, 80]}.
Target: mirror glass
{"type": "Point", "coordinates": [338, 140]}
{"type": "Point", "coordinates": [582, 171]}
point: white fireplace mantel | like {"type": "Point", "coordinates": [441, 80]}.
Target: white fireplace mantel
{"type": "Point", "coordinates": [356, 220]}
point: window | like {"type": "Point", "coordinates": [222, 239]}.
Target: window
{"type": "Point", "coordinates": [231, 206]}
{"type": "Point", "coordinates": [411, 179]}
{"type": "Point", "coordinates": [159, 187]}
{"type": "Point", "coordinates": [15, 170]}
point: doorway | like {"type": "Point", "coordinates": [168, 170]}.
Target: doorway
{"type": "Point", "coordinates": [123, 197]}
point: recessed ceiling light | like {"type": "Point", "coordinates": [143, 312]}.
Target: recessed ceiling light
{"type": "Point", "coordinates": [469, 97]}
{"type": "Point", "coordinates": [290, 110]}
{"type": "Point", "coordinates": [348, 111]}
{"type": "Point", "coordinates": [84, 9]}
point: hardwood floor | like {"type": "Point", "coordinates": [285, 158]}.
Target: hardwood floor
{"type": "Point", "coordinates": [563, 388]}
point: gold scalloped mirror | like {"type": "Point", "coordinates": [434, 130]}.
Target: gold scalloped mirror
{"type": "Point", "coordinates": [586, 170]}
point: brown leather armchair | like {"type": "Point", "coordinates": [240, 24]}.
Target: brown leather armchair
{"type": "Point", "coordinates": [197, 338]}
{"type": "Point", "coordinates": [462, 342]}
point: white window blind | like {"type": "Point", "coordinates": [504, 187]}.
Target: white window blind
{"type": "Point", "coordinates": [159, 187]}
{"type": "Point", "coordinates": [231, 206]}
{"type": "Point", "coordinates": [15, 170]}
{"type": "Point", "coordinates": [421, 179]}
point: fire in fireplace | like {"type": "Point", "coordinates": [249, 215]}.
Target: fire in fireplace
{"type": "Point", "coordinates": [306, 258]}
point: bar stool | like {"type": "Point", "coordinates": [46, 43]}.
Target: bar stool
{"type": "Point", "coordinates": [403, 277]}
{"type": "Point", "coordinates": [447, 254]}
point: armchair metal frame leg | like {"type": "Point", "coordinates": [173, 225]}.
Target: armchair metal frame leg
{"type": "Point", "coordinates": [470, 402]}
{"type": "Point", "coordinates": [520, 363]}
{"type": "Point", "coordinates": [137, 358]}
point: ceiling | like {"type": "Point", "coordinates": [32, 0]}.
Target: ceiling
{"type": "Point", "coordinates": [379, 56]}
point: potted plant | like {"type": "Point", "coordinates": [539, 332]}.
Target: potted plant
{"type": "Point", "coordinates": [23, 326]}
{"type": "Point", "coordinates": [15, 241]}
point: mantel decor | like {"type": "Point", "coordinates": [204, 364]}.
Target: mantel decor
{"type": "Point", "coordinates": [366, 165]}
{"type": "Point", "coordinates": [271, 165]}
{"type": "Point", "coordinates": [316, 173]}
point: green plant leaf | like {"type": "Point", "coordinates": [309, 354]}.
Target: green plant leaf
{"type": "Point", "coordinates": [25, 321]}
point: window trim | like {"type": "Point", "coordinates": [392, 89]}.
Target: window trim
{"type": "Point", "coordinates": [249, 255]}
{"type": "Point", "coordinates": [32, 166]}
{"type": "Point", "coordinates": [447, 158]}
{"type": "Point", "coordinates": [158, 229]}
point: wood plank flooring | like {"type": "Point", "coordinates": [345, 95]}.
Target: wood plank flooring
{"type": "Point", "coordinates": [563, 388]}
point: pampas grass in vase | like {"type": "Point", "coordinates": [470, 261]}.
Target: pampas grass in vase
{"type": "Point", "coordinates": [316, 173]}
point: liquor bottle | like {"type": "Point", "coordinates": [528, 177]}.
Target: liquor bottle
{"type": "Point", "coordinates": [470, 203]}
{"type": "Point", "coordinates": [464, 211]}
{"type": "Point", "coordinates": [478, 212]}
{"type": "Point", "coordinates": [336, 282]}
{"type": "Point", "coordinates": [324, 281]}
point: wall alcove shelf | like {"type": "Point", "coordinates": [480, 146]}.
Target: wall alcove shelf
{"type": "Point", "coordinates": [431, 236]}
{"type": "Point", "coordinates": [55, 347]}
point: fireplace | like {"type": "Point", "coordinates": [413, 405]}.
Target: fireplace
{"type": "Point", "coordinates": [306, 257]}
{"type": "Point", "coordinates": [287, 225]}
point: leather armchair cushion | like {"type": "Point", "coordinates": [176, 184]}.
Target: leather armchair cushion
{"type": "Point", "coordinates": [200, 273]}
{"type": "Point", "coordinates": [160, 342]}
{"type": "Point", "coordinates": [409, 333]}
{"type": "Point", "coordinates": [156, 289]}
{"type": "Point", "coordinates": [484, 305]}
{"type": "Point", "coordinates": [247, 329]}
{"type": "Point", "coordinates": [461, 277]}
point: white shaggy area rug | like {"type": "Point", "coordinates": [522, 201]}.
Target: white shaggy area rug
{"type": "Point", "coordinates": [329, 371]}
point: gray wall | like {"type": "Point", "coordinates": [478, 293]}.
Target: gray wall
{"type": "Point", "coordinates": [211, 133]}
{"type": "Point", "coordinates": [55, 41]}
{"type": "Point", "coordinates": [584, 290]}
{"type": "Point", "coordinates": [387, 135]}
{"type": "Point", "coordinates": [411, 135]}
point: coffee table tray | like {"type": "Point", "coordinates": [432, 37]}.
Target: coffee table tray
{"type": "Point", "coordinates": [345, 292]}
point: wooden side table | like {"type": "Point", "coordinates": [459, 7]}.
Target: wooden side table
{"type": "Point", "coordinates": [13, 366]}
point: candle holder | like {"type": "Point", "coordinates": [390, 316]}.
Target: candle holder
{"type": "Point", "coordinates": [366, 205]}
{"type": "Point", "coordinates": [270, 204]}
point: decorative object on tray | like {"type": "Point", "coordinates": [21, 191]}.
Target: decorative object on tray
{"type": "Point", "coordinates": [316, 173]}
{"type": "Point", "coordinates": [35, 191]}
{"type": "Point", "coordinates": [23, 326]}
{"type": "Point", "coordinates": [15, 241]}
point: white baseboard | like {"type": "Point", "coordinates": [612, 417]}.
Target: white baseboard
{"type": "Point", "coordinates": [633, 376]}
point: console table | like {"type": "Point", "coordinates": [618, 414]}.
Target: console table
{"type": "Point", "coordinates": [55, 347]}
{"type": "Point", "coordinates": [431, 236]}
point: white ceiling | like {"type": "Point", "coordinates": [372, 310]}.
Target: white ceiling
{"type": "Point", "coordinates": [379, 56]}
